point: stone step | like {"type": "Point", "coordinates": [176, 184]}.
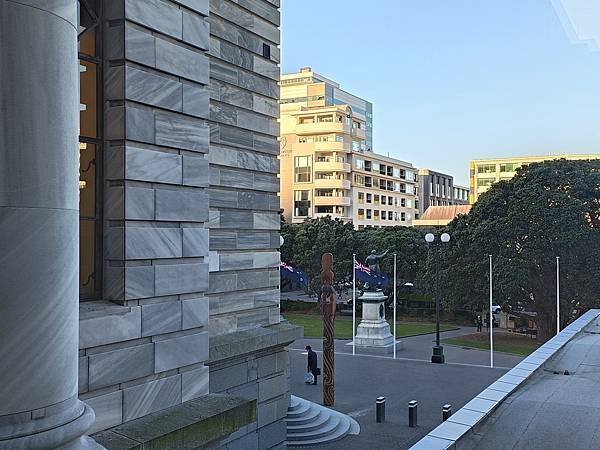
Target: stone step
{"type": "Point", "coordinates": [299, 412]}
{"type": "Point", "coordinates": [340, 432]}
{"type": "Point", "coordinates": [317, 422]}
{"type": "Point", "coordinates": [329, 427]}
{"type": "Point", "coordinates": [308, 416]}
{"type": "Point", "coordinates": [309, 423]}
{"type": "Point", "coordinates": [295, 403]}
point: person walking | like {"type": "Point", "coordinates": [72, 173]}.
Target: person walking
{"type": "Point", "coordinates": [479, 324]}
{"type": "Point", "coordinates": [312, 363]}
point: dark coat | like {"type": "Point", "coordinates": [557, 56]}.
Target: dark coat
{"type": "Point", "coordinates": [312, 361]}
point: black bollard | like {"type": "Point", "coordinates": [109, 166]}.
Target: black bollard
{"type": "Point", "coordinates": [412, 413]}
{"type": "Point", "coordinates": [380, 409]}
{"type": "Point", "coordinates": [446, 412]}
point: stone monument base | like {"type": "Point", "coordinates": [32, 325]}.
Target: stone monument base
{"type": "Point", "coordinates": [373, 334]}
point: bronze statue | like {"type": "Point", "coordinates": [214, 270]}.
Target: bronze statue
{"type": "Point", "coordinates": [373, 261]}
{"type": "Point", "coordinates": [327, 303]}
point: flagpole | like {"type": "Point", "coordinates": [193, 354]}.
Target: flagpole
{"type": "Point", "coordinates": [353, 301]}
{"type": "Point", "coordinates": [394, 306]}
{"type": "Point", "coordinates": [557, 294]}
{"type": "Point", "coordinates": [491, 320]}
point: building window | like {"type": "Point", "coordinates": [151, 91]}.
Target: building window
{"type": "Point", "coordinates": [486, 168]}
{"type": "Point", "coordinates": [403, 217]}
{"type": "Point", "coordinates": [485, 182]}
{"type": "Point", "coordinates": [368, 214]}
{"type": "Point", "coordinates": [266, 51]}
{"type": "Point", "coordinates": [361, 214]}
{"type": "Point", "coordinates": [360, 163]}
{"type": "Point", "coordinates": [301, 203]}
{"type": "Point", "coordinates": [396, 172]}
{"type": "Point", "coordinates": [361, 197]}
{"type": "Point", "coordinates": [383, 200]}
{"type": "Point", "coordinates": [369, 198]}
{"type": "Point", "coordinates": [509, 167]}
{"type": "Point", "coordinates": [410, 189]}
{"type": "Point", "coordinates": [339, 138]}
{"type": "Point", "coordinates": [376, 199]}
{"type": "Point", "coordinates": [390, 215]}
{"type": "Point", "coordinates": [90, 151]}
{"type": "Point", "coordinates": [403, 202]}
{"type": "Point", "coordinates": [376, 214]}
{"type": "Point", "coordinates": [303, 169]}
{"type": "Point", "coordinates": [408, 203]}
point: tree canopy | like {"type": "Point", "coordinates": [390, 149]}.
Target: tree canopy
{"type": "Point", "coordinates": [547, 210]}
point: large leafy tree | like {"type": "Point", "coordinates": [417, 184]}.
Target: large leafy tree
{"type": "Point", "coordinates": [305, 243]}
{"type": "Point", "coordinates": [547, 210]}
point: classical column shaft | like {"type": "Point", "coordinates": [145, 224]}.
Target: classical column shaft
{"type": "Point", "coordinates": [39, 226]}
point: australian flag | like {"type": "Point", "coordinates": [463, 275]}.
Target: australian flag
{"type": "Point", "coordinates": [366, 275]}
{"type": "Point", "coordinates": [289, 273]}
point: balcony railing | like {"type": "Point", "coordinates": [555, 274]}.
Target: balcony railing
{"type": "Point", "coordinates": [332, 183]}
{"type": "Point", "coordinates": [332, 166]}
{"type": "Point", "coordinates": [333, 200]}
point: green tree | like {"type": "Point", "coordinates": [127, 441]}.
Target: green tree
{"type": "Point", "coordinates": [548, 209]}
{"type": "Point", "coordinates": [305, 243]}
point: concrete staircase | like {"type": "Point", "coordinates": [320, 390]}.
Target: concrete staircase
{"type": "Point", "coordinates": [310, 424]}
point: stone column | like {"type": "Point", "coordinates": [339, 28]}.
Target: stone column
{"type": "Point", "coordinates": [39, 227]}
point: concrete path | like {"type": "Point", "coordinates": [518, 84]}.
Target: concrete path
{"type": "Point", "coordinates": [360, 379]}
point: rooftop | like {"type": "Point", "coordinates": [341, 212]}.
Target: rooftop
{"type": "Point", "coordinates": [551, 400]}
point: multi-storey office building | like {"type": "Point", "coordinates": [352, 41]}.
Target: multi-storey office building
{"type": "Point", "coordinates": [438, 189]}
{"type": "Point", "coordinates": [485, 172]}
{"type": "Point", "coordinates": [147, 286]}
{"type": "Point", "coordinates": [326, 172]}
{"type": "Point", "coordinates": [310, 89]}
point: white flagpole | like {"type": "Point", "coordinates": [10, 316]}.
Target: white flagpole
{"type": "Point", "coordinates": [491, 320]}
{"type": "Point", "coordinates": [557, 294]}
{"type": "Point", "coordinates": [353, 301]}
{"type": "Point", "coordinates": [394, 306]}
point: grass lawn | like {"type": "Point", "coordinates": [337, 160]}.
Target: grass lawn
{"type": "Point", "coordinates": [313, 326]}
{"type": "Point", "coordinates": [504, 342]}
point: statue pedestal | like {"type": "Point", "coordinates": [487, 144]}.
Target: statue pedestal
{"type": "Point", "coordinates": [373, 334]}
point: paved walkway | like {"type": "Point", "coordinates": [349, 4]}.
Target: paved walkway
{"type": "Point", "coordinates": [360, 379]}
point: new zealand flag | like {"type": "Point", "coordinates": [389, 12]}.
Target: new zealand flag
{"type": "Point", "coordinates": [289, 273]}
{"type": "Point", "coordinates": [364, 274]}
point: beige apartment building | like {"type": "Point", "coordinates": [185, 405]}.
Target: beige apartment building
{"type": "Point", "coordinates": [485, 172]}
{"type": "Point", "coordinates": [327, 170]}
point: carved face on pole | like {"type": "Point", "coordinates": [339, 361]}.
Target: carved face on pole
{"type": "Point", "coordinates": [327, 291]}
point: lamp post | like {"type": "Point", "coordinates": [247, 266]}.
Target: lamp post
{"type": "Point", "coordinates": [438, 350]}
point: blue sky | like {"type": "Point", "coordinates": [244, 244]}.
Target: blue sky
{"type": "Point", "coordinates": [452, 80]}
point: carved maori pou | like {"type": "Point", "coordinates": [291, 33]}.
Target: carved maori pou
{"type": "Point", "coordinates": [328, 302]}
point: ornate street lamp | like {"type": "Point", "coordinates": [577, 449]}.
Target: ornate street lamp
{"type": "Point", "coordinates": [438, 350]}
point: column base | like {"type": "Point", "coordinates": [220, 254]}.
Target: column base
{"type": "Point", "coordinates": [56, 430]}
{"type": "Point", "coordinates": [438, 355]}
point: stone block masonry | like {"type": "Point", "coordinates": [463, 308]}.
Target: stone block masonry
{"type": "Point", "coordinates": [191, 221]}
{"type": "Point", "coordinates": [145, 350]}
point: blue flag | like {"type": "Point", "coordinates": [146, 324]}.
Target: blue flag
{"type": "Point", "coordinates": [289, 273]}
{"type": "Point", "coordinates": [366, 275]}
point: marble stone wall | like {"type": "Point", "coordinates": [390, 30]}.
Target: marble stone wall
{"type": "Point", "coordinates": [244, 205]}
{"type": "Point", "coordinates": [244, 215]}
{"type": "Point", "coordinates": [191, 216]}
{"type": "Point", "coordinates": [144, 350]}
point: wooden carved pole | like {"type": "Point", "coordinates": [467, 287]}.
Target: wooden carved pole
{"type": "Point", "coordinates": [327, 302]}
